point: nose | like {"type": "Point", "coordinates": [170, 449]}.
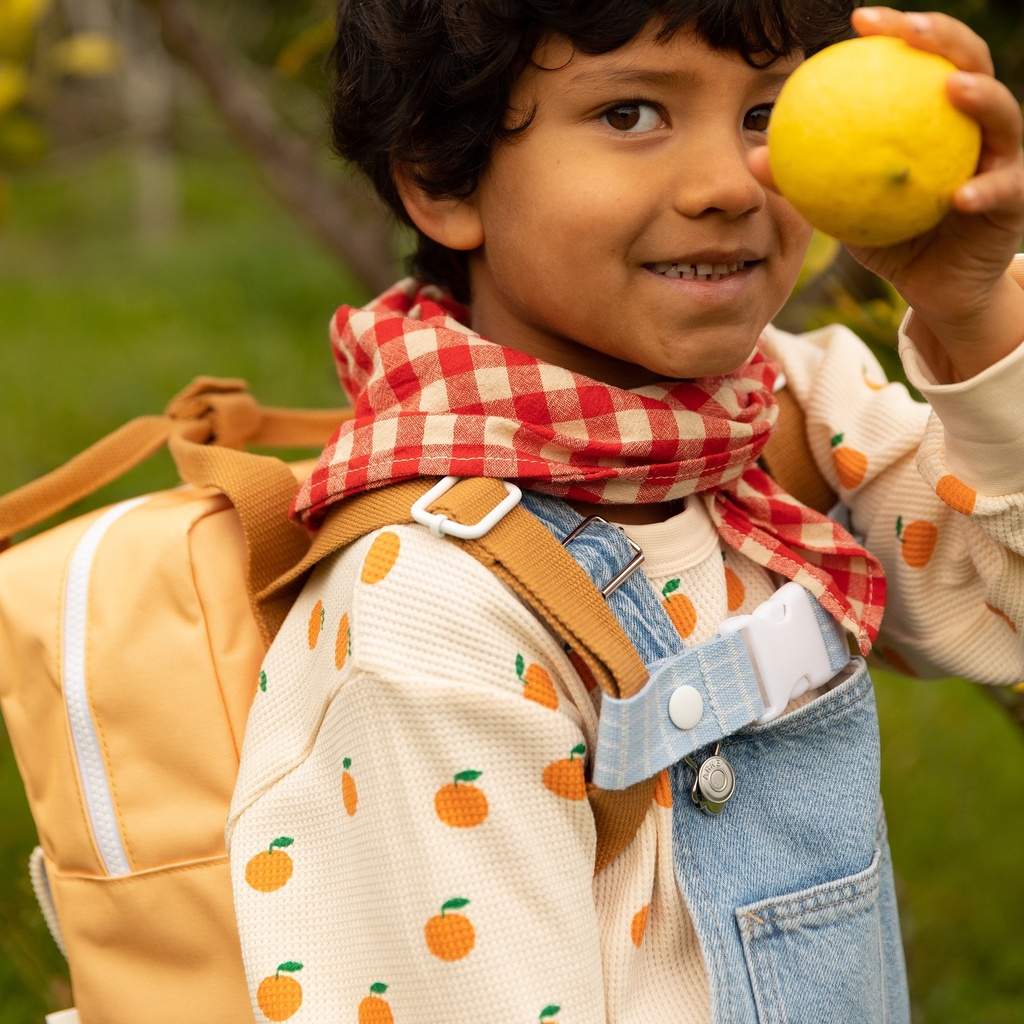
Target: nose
{"type": "Point", "coordinates": [715, 179]}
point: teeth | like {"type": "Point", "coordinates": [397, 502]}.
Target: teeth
{"type": "Point", "coordinates": [700, 271]}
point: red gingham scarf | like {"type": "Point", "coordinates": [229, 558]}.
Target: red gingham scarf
{"type": "Point", "coordinates": [434, 399]}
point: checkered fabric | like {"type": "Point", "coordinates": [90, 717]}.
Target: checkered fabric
{"type": "Point", "coordinates": [433, 398]}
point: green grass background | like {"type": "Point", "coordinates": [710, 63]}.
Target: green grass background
{"type": "Point", "coordinates": [96, 328]}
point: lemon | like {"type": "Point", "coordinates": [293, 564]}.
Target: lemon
{"type": "Point", "coordinates": [865, 143]}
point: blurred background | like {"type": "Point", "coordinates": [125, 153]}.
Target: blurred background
{"type": "Point", "coordinates": [169, 208]}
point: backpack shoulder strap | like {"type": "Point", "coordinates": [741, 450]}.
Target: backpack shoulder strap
{"type": "Point", "coordinates": [524, 554]}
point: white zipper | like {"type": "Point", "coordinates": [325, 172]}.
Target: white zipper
{"type": "Point", "coordinates": [99, 803]}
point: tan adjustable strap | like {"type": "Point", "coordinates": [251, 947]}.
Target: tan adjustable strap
{"type": "Point", "coordinates": [522, 552]}
{"type": "Point", "coordinates": [202, 427]}
{"type": "Point", "coordinates": [788, 459]}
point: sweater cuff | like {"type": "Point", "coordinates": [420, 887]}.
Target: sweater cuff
{"type": "Point", "coordinates": [981, 417]}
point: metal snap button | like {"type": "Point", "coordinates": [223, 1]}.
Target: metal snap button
{"type": "Point", "coordinates": [685, 707]}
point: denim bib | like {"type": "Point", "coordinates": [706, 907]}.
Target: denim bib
{"type": "Point", "coordinates": [790, 887]}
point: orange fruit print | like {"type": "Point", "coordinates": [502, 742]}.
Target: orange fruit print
{"type": "Point", "coordinates": [956, 494]}
{"type": "Point", "coordinates": [918, 539]}
{"type": "Point", "coordinates": [639, 925]}
{"type": "Point", "coordinates": [679, 607]}
{"type": "Point", "coordinates": [450, 936]}
{"type": "Point", "coordinates": [851, 464]}
{"type": "Point", "coordinates": [342, 643]}
{"type": "Point", "coordinates": [280, 997]}
{"type": "Point", "coordinates": [735, 592]}
{"type": "Point", "coordinates": [539, 687]}
{"type": "Point", "coordinates": [349, 793]}
{"type": "Point", "coordinates": [373, 1009]}
{"type": "Point", "coordinates": [565, 778]}
{"type": "Point", "coordinates": [461, 806]}
{"type": "Point", "coordinates": [381, 557]}
{"type": "Point", "coordinates": [663, 789]}
{"type": "Point", "coordinates": [270, 869]}
{"type": "Point", "coordinates": [316, 623]}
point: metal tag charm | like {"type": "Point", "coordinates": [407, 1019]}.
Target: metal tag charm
{"type": "Point", "coordinates": [714, 782]}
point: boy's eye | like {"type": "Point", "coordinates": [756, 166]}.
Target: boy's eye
{"type": "Point", "coordinates": [632, 117]}
{"type": "Point", "coordinates": [756, 120]}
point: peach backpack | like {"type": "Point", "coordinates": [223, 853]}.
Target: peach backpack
{"type": "Point", "coordinates": [131, 640]}
{"type": "Point", "coordinates": [130, 645]}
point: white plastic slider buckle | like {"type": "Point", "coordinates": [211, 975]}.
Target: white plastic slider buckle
{"type": "Point", "coordinates": [786, 647]}
{"type": "Point", "coordinates": [440, 525]}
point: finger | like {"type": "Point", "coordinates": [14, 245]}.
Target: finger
{"type": "Point", "coordinates": [936, 33]}
{"type": "Point", "coordinates": [760, 167]}
{"type": "Point", "coordinates": [994, 107]}
{"type": "Point", "coordinates": [998, 192]}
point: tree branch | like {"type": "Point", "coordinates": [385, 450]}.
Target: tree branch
{"type": "Point", "coordinates": [352, 229]}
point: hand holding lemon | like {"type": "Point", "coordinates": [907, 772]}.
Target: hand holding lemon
{"type": "Point", "coordinates": [904, 146]}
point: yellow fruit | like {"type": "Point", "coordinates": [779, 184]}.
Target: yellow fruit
{"type": "Point", "coordinates": [866, 144]}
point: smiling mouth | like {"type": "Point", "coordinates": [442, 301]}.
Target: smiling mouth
{"type": "Point", "coordinates": [699, 271]}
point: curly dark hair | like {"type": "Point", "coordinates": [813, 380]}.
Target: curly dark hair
{"type": "Point", "coordinates": [425, 83]}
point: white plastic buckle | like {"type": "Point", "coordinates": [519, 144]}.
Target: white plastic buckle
{"type": "Point", "coordinates": [440, 525]}
{"type": "Point", "coordinates": [786, 647]}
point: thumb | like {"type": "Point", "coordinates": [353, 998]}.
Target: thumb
{"type": "Point", "coordinates": [757, 159]}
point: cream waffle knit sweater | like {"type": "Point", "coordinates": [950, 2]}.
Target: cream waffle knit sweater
{"type": "Point", "coordinates": [415, 748]}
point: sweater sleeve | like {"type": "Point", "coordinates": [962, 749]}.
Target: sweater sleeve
{"type": "Point", "coordinates": [935, 490]}
{"type": "Point", "coordinates": [420, 740]}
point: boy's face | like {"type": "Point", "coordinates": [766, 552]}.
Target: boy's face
{"type": "Point", "coordinates": [636, 160]}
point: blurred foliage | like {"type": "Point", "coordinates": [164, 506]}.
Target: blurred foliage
{"type": "Point", "coordinates": [37, 54]}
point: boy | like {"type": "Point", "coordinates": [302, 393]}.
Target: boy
{"type": "Point", "coordinates": [600, 254]}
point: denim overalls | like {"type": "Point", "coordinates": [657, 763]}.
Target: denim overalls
{"type": "Point", "coordinates": [790, 887]}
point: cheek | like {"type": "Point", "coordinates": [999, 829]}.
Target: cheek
{"type": "Point", "coordinates": [794, 238]}
{"type": "Point", "coordinates": [794, 231]}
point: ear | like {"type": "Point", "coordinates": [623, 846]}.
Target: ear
{"type": "Point", "coordinates": [453, 223]}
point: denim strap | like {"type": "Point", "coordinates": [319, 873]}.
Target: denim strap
{"type": "Point", "coordinates": [636, 737]}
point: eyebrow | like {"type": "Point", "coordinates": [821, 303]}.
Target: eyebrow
{"type": "Point", "coordinates": [654, 77]}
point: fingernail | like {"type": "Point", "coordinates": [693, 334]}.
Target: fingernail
{"type": "Point", "coordinates": [920, 23]}
{"type": "Point", "coordinates": [964, 81]}
{"type": "Point", "coordinates": [969, 195]}
{"type": "Point", "coordinates": [870, 14]}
